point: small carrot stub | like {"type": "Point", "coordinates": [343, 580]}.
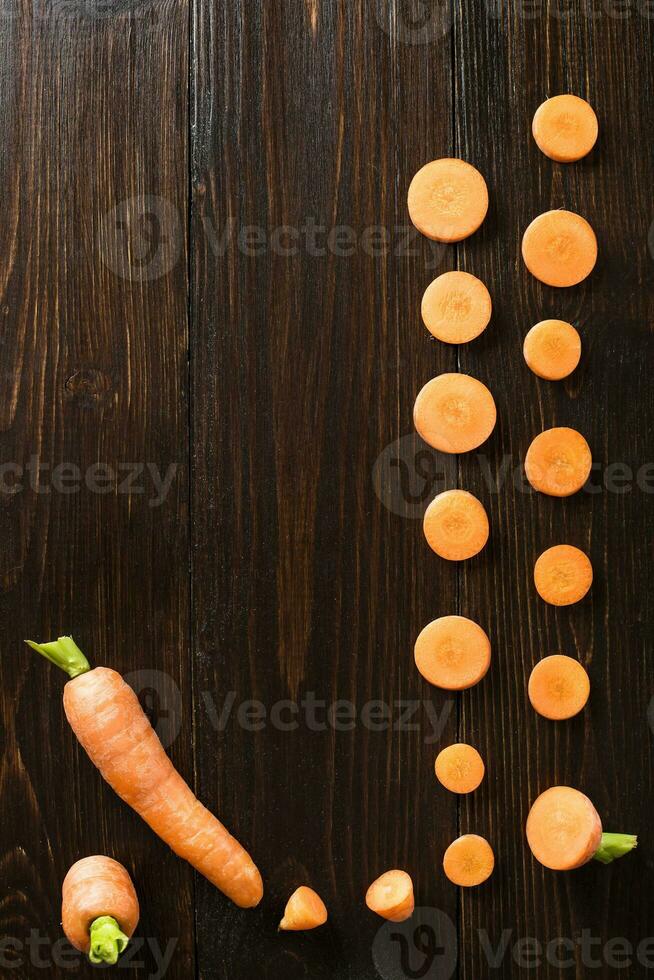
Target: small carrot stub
{"type": "Point", "coordinates": [100, 908]}
{"type": "Point", "coordinates": [453, 653]}
{"type": "Point", "coordinates": [305, 909]}
{"type": "Point", "coordinates": [565, 128]}
{"type": "Point", "coordinates": [563, 575]}
{"type": "Point", "coordinates": [558, 687]}
{"type": "Point", "coordinates": [456, 307]}
{"type": "Point", "coordinates": [454, 413]}
{"type": "Point", "coordinates": [448, 200]}
{"type": "Point", "coordinates": [560, 248]}
{"type": "Point", "coordinates": [552, 349]}
{"type": "Point", "coordinates": [558, 462]}
{"type": "Point", "coordinates": [563, 829]}
{"type": "Point", "coordinates": [456, 525]}
{"type": "Point", "coordinates": [460, 768]}
{"type": "Point", "coordinates": [469, 861]}
{"type": "Point", "coordinates": [391, 896]}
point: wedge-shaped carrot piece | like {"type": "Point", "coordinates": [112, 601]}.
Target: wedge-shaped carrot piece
{"type": "Point", "coordinates": [456, 525]}
{"type": "Point", "coordinates": [391, 896]}
{"type": "Point", "coordinates": [558, 687]}
{"type": "Point", "coordinates": [552, 349]}
{"type": "Point", "coordinates": [453, 653]}
{"type": "Point", "coordinates": [454, 413]}
{"type": "Point", "coordinates": [565, 128]}
{"type": "Point", "coordinates": [459, 768]}
{"type": "Point", "coordinates": [558, 462]}
{"type": "Point", "coordinates": [448, 200]}
{"type": "Point", "coordinates": [563, 574]}
{"type": "Point", "coordinates": [560, 248]}
{"type": "Point", "coordinates": [456, 307]}
{"type": "Point", "coordinates": [469, 861]}
{"type": "Point", "coordinates": [305, 909]}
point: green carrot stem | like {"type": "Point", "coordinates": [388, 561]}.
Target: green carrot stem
{"type": "Point", "coordinates": [614, 846]}
{"type": "Point", "coordinates": [64, 653]}
{"type": "Point", "coordinates": [107, 940]}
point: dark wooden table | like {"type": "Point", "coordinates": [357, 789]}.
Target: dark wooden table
{"type": "Point", "coordinates": [210, 344]}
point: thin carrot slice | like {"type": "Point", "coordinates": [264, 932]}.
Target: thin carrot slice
{"type": "Point", "coordinates": [391, 896]}
{"type": "Point", "coordinates": [565, 128]}
{"type": "Point", "coordinates": [563, 575]}
{"type": "Point", "coordinates": [558, 687]}
{"type": "Point", "coordinates": [456, 525]}
{"type": "Point", "coordinates": [448, 200]}
{"type": "Point", "coordinates": [563, 829]}
{"type": "Point", "coordinates": [453, 653]}
{"type": "Point", "coordinates": [459, 768]}
{"type": "Point", "coordinates": [469, 861]}
{"type": "Point", "coordinates": [456, 307]}
{"type": "Point", "coordinates": [560, 248]}
{"type": "Point", "coordinates": [558, 462]}
{"type": "Point", "coordinates": [305, 909]}
{"type": "Point", "coordinates": [454, 413]}
{"type": "Point", "coordinates": [552, 349]}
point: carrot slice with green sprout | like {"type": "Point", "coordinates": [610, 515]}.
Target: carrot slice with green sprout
{"type": "Point", "coordinates": [448, 200]}
{"type": "Point", "coordinates": [469, 861]}
{"type": "Point", "coordinates": [454, 413]}
{"type": "Point", "coordinates": [565, 128]}
{"type": "Point", "coordinates": [305, 909]}
{"type": "Point", "coordinates": [563, 575]}
{"type": "Point", "coordinates": [456, 307]}
{"type": "Point", "coordinates": [560, 248]}
{"type": "Point", "coordinates": [552, 349]}
{"type": "Point", "coordinates": [459, 768]}
{"type": "Point", "coordinates": [558, 462]}
{"type": "Point", "coordinates": [453, 653]}
{"type": "Point", "coordinates": [99, 908]}
{"type": "Point", "coordinates": [558, 687]}
{"type": "Point", "coordinates": [391, 896]}
{"type": "Point", "coordinates": [456, 525]}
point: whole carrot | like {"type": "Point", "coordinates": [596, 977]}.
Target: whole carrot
{"type": "Point", "coordinates": [99, 908]}
{"type": "Point", "coordinates": [110, 724]}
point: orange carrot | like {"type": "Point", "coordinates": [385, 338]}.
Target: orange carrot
{"type": "Point", "coordinates": [99, 909]}
{"type": "Point", "coordinates": [456, 525]}
{"type": "Point", "coordinates": [563, 575]}
{"type": "Point", "coordinates": [564, 831]}
{"type": "Point", "coordinates": [558, 687]}
{"type": "Point", "coordinates": [454, 413]}
{"type": "Point", "coordinates": [558, 462]}
{"type": "Point", "coordinates": [453, 653]}
{"type": "Point", "coordinates": [469, 861]}
{"type": "Point", "coordinates": [456, 307]}
{"type": "Point", "coordinates": [111, 726]}
{"type": "Point", "coordinates": [565, 128]}
{"type": "Point", "coordinates": [391, 896]}
{"type": "Point", "coordinates": [305, 909]}
{"type": "Point", "coordinates": [560, 248]}
{"type": "Point", "coordinates": [552, 349]}
{"type": "Point", "coordinates": [448, 200]}
{"type": "Point", "coordinates": [459, 768]}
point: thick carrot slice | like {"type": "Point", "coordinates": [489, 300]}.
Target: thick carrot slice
{"type": "Point", "coordinates": [456, 307]}
{"type": "Point", "coordinates": [99, 908]}
{"type": "Point", "coordinates": [454, 413]}
{"type": "Point", "coordinates": [565, 128]}
{"type": "Point", "coordinates": [563, 829]}
{"type": "Point", "coordinates": [456, 525]}
{"type": "Point", "coordinates": [459, 768]}
{"type": "Point", "coordinates": [453, 653]}
{"type": "Point", "coordinates": [448, 200]}
{"type": "Point", "coordinates": [391, 896]}
{"type": "Point", "coordinates": [558, 462]}
{"type": "Point", "coordinates": [560, 248]}
{"type": "Point", "coordinates": [552, 349]}
{"type": "Point", "coordinates": [305, 909]}
{"type": "Point", "coordinates": [558, 687]}
{"type": "Point", "coordinates": [563, 575]}
{"type": "Point", "coordinates": [469, 861]}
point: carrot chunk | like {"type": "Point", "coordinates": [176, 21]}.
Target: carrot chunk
{"type": "Point", "coordinates": [552, 349]}
{"type": "Point", "coordinates": [558, 687]}
{"type": "Point", "coordinates": [565, 128]}
{"type": "Point", "coordinates": [391, 896]}
{"type": "Point", "coordinates": [558, 462]}
{"type": "Point", "coordinates": [448, 200]}
{"type": "Point", "coordinates": [459, 768]}
{"type": "Point", "coordinates": [559, 248]}
{"type": "Point", "coordinates": [454, 413]}
{"type": "Point", "coordinates": [563, 575]}
{"type": "Point", "coordinates": [456, 525]}
{"type": "Point", "coordinates": [305, 909]}
{"type": "Point", "coordinates": [563, 829]}
{"type": "Point", "coordinates": [469, 861]}
{"type": "Point", "coordinates": [453, 653]}
{"type": "Point", "coordinates": [456, 307]}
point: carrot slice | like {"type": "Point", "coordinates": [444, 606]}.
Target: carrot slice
{"type": "Point", "coordinates": [98, 892]}
{"type": "Point", "coordinates": [563, 829]}
{"type": "Point", "coordinates": [565, 128]}
{"type": "Point", "coordinates": [558, 462]}
{"type": "Point", "coordinates": [469, 861]}
{"type": "Point", "coordinates": [456, 525]}
{"type": "Point", "coordinates": [552, 349]}
{"type": "Point", "coordinates": [391, 896]}
{"type": "Point", "coordinates": [459, 768]}
{"type": "Point", "coordinates": [305, 909]}
{"type": "Point", "coordinates": [454, 413]}
{"type": "Point", "coordinates": [560, 248]}
{"type": "Point", "coordinates": [453, 653]}
{"type": "Point", "coordinates": [448, 200]}
{"type": "Point", "coordinates": [456, 307]}
{"type": "Point", "coordinates": [563, 575]}
{"type": "Point", "coordinates": [558, 687]}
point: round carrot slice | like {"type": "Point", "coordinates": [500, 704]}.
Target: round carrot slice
{"type": "Point", "coordinates": [391, 896]}
{"type": "Point", "coordinates": [469, 861]}
{"type": "Point", "coordinates": [565, 128]}
{"type": "Point", "coordinates": [552, 349]}
{"type": "Point", "coordinates": [563, 575]}
{"type": "Point", "coordinates": [559, 248]}
{"type": "Point", "coordinates": [558, 687]}
{"type": "Point", "coordinates": [456, 525]}
{"type": "Point", "coordinates": [563, 829]}
{"type": "Point", "coordinates": [454, 413]}
{"type": "Point", "coordinates": [453, 653]}
{"type": "Point", "coordinates": [459, 768]}
{"type": "Point", "coordinates": [456, 307]}
{"type": "Point", "coordinates": [558, 462]}
{"type": "Point", "coordinates": [448, 200]}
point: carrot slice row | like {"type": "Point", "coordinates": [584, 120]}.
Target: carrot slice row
{"type": "Point", "coordinates": [560, 248]}
{"type": "Point", "coordinates": [558, 462]}
{"type": "Point", "coordinates": [563, 575]}
{"type": "Point", "coordinates": [552, 349]}
{"type": "Point", "coordinates": [565, 128]}
{"type": "Point", "coordinates": [453, 653]}
{"type": "Point", "coordinates": [448, 200]}
{"type": "Point", "coordinates": [456, 525]}
{"type": "Point", "coordinates": [460, 768]}
{"type": "Point", "coordinates": [304, 910]}
{"type": "Point", "coordinates": [456, 307]}
{"type": "Point", "coordinates": [469, 861]}
{"type": "Point", "coordinates": [454, 413]}
{"type": "Point", "coordinates": [558, 687]}
{"type": "Point", "coordinates": [391, 896]}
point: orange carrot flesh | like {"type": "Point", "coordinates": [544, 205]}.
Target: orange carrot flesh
{"type": "Point", "coordinates": [454, 413]}
{"type": "Point", "coordinates": [559, 248]}
{"type": "Point", "coordinates": [558, 462]}
{"type": "Point", "coordinates": [448, 200]}
{"type": "Point", "coordinates": [469, 861]}
{"type": "Point", "coordinates": [305, 909]}
{"type": "Point", "coordinates": [563, 829]}
{"type": "Point", "coordinates": [460, 768]}
{"type": "Point", "coordinates": [391, 896]}
{"type": "Point", "coordinates": [558, 687]}
{"type": "Point", "coordinates": [94, 888]}
{"type": "Point", "coordinates": [552, 349]}
{"type": "Point", "coordinates": [563, 575]}
{"type": "Point", "coordinates": [456, 525]}
{"type": "Point", "coordinates": [453, 653]}
{"type": "Point", "coordinates": [456, 307]}
{"type": "Point", "coordinates": [565, 128]}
